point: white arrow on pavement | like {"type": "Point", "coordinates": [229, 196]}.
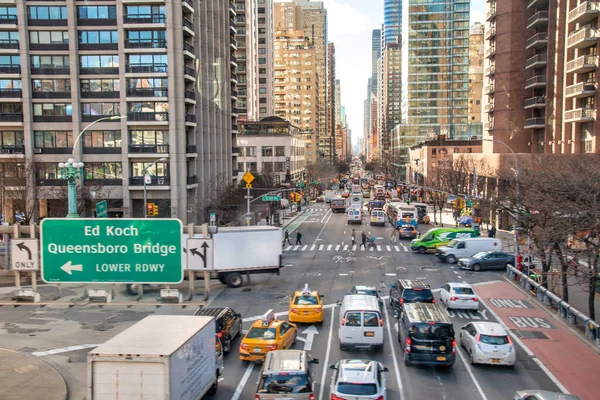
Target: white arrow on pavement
{"type": "Point", "coordinates": [310, 333]}
{"type": "Point", "coordinates": [69, 268]}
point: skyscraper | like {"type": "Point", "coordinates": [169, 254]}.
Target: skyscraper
{"type": "Point", "coordinates": [333, 119]}
{"type": "Point", "coordinates": [392, 20]}
{"type": "Point", "coordinates": [375, 56]}
{"type": "Point", "coordinates": [476, 73]}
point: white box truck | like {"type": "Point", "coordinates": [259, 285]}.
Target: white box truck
{"type": "Point", "coordinates": [166, 357]}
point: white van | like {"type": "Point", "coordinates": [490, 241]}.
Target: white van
{"type": "Point", "coordinates": [459, 248]}
{"type": "Point", "coordinates": [361, 323]}
{"type": "Point", "coordinates": [377, 217]}
{"type": "Point", "coordinates": [354, 216]}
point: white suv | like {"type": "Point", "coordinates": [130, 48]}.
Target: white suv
{"type": "Point", "coordinates": [487, 343]}
{"type": "Point", "coordinates": [358, 379]}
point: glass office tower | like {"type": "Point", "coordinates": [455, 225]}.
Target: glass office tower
{"type": "Point", "coordinates": [392, 19]}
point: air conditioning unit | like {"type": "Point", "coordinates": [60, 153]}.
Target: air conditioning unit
{"type": "Point", "coordinates": [37, 150]}
{"type": "Point", "coordinates": [6, 151]}
{"type": "Point", "coordinates": [161, 181]}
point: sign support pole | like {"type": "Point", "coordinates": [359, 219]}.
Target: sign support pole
{"type": "Point", "coordinates": [248, 206]}
{"type": "Point", "coordinates": [17, 273]}
{"type": "Point", "coordinates": [191, 274]}
{"type": "Point", "coordinates": [207, 273]}
{"type": "Point", "coordinates": [33, 273]}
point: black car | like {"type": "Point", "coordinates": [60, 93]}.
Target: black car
{"type": "Point", "coordinates": [368, 290]}
{"type": "Point", "coordinates": [228, 323]}
{"type": "Point", "coordinates": [409, 291]}
{"type": "Point", "coordinates": [487, 260]}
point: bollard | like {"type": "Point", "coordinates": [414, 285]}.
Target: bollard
{"type": "Point", "coordinates": [541, 295]}
{"type": "Point", "coordinates": [561, 310]}
{"type": "Point", "coordinates": [571, 319]}
{"type": "Point", "coordinates": [590, 330]}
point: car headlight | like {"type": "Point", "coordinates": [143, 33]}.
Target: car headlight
{"type": "Point", "coordinates": [443, 253]}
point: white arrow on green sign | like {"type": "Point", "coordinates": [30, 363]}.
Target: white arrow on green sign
{"type": "Point", "coordinates": [90, 250]}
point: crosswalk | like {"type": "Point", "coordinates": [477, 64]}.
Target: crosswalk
{"type": "Point", "coordinates": [346, 247]}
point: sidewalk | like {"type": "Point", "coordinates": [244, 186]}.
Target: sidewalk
{"type": "Point", "coordinates": [24, 377]}
{"type": "Point", "coordinates": [574, 364]}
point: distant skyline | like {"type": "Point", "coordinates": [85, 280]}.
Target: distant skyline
{"type": "Point", "coordinates": [351, 23]}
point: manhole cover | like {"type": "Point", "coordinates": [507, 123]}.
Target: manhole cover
{"type": "Point", "coordinates": [429, 269]}
{"type": "Point", "coordinates": [531, 334]}
{"type": "Point", "coordinates": [401, 268]}
{"type": "Point", "coordinates": [311, 274]}
{"type": "Point", "coordinates": [390, 274]}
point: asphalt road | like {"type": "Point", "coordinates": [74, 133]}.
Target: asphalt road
{"type": "Point", "coordinates": [332, 273]}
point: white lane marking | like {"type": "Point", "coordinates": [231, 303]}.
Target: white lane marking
{"type": "Point", "coordinates": [485, 283]}
{"type": "Point", "coordinates": [321, 247]}
{"type": "Point", "coordinates": [240, 387]}
{"type": "Point", "coordinates": [296, 248]}
{"type": "Point", "coordinates": [459, 277]}
{"type": "Point", "coordinates": [337, 248]}
{"type": "Point", "coordinates": [470, 371]}
{"type": "Point", "coordinates": [354, 248]}
{"type": "Point", "coordinates": [329, 247]}
{"type": "Point", "coordinates": [345, 247]}
{"type": "Point", "coordinates": [64, 350]}
{"type": "Point", "coordinates": [378, 238]}
{"type": "Point", "coordinates": [378, 248]}
{"type": "Point", "coordinates": [304, 247]}
{"type": "Point", "coordinates": [322, 384]}
{"type": "Point", "coordinates": [456, 272]}
{"type": "Point", "coordinates": [403, 247]}
{"type": "Point", "coordinates": [397, 248]}
{"type": "Point", "coordinates": [324, 225]}
{"type": "Point", "coordinates": [527, 350]}
{"type": "Point", "coordinates": [344, 232]}
{"type": "Point", "coordinates": [371, 249]}
{"type": "Point", "coordinates": [288, 248]}
{"type": "Point", "coordinates": [313, 247]}
{"type": "Point", "coordinates": [389, 248]}
{"type": "Point", "coordinates": [439, 379]}
{"type": "Point", "coordinates": [396, 368]}
{"type": "Point", "coordinates": [324, 216]}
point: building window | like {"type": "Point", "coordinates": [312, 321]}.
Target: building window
{"type": "Point", "coordinates": [477, 102]}
{"type": "Point", "coordinates": [280, 151]}
{"type": "Point", "coordinates": [469, 150]}
{"type": "Point", "coordinates": [148, 138]}
{"type": "Point", "coordinates": [103, 170]}
{"type": "Point", "coordinates": [267, 167]}
{"type": "Point", "coordinates": [148, 62]}
{"type": "Point", "coordinates": [261, 20]}
{"type": "Point", "coordinates": [279, 166]}
{"type": "Point", "coordinates": [11, 139]}
{"type": "Point", "coordinates": [149, 107]}
{"type": "Point", "coordinates": [51, 85]}
{"type": "Point", "coordinates": [98, 37]}
{"type": "Point", "coordinates": [261, 10]}
{"type": "Point", "coordinates": [100, 109]}
{"type": "Point", "coordinates": [104, 61]}
{"type": "Point", "coordinates": [241, 167]}
{"type": "Point", "coordinates": [267, 151]}
{"type": "Point", "coordinates": [102, 139]}
{"type": "Point", "coordinates": [250, 151]}
{"type": "Point", "coordinates": [262, 60]}
{"type": "Point", "coordinates": [47, 170]}
{"type": "Point", "coordinates": [47, 13]}
{"type": "Point", "coordinates": [263, 110]}
{"type": "Point", "coordinates": [158, 169]}
{"type": "Point", "coordinates": [52, 109]}
{"type": "Point", "coordinates": [48, 61]}
{"type": "Point", "coordinates": [262, 41]}
{"type": "Point", "coordinates": [8, 13]}
{"type": "Point", "coordinates": [97, 12]}
{"type": "Point", "coordinates": [586, 139]}
{"type": "Point", "coordinates": [9, 37]}
{"type": "Point", "coordinates": [149, 39]}
{"type": "Point", "coordinates": [10, 61]}
{"type": "Point", "coordinates": [12, 170]}
{"type": "Point", "coordinates": [456, 150]}
{"type": "Point", "coordinates": [52, 139]}
{"type": "Point", "coordinates": [262, 81]}
{"type": "Point", "coordinates": [48, 37]}
{"type": "Point", "coordinates": [100, 85]}
{"type": "Point", "coordinates": [262, 70]}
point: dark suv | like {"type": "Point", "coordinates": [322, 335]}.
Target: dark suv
{"type": "Point", "coordinates": [409, 291]}
{"type": "Point", "coordinates": [228, 323]}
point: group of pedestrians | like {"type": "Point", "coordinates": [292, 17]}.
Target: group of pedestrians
{"type": "Point", "coordinates": [286, 238]}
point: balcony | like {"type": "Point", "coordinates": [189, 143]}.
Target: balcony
{"type": "Point", "coordinates": [537, 61]}
{"type": "Point", "coordinates": [100, 150]}
{"type": "Point", "coordinates": [147, 116]}
{"type": "Point", "coordinates": [145, 149]}
{"type": "Point", "coordinates": [145, 44]}
{"type": "Point", "coordinates": [191, 149]}
{"type": "Point", "coordinates": [147, 92]}
{"type": "Point", "coordinates": [235, 150]}
{"type": "Point", "coordinates": [583, 64]}
{"type": "Point", "coordinates": [94, 71]}
{"type": "Point", "coordinates": [190, 94]}
{"type": "Point", "coordinates": [537, 81]}
{"type": "Point", "coordinates": [537, 4]}
{"type": "Point", "coordinates": [52, 118]}
{"type": "Point", "coordinates": [93, 117]}
{"type": "Point", "coordinates": [154, 180]}
{"type": "Point", "coordinates": [580, 115]}
{"type": "Point", "coordinates": [491, 13]}
{"type": "Point", "coordinates": [103, 182]}
{"type": "Point", "coordinates": [53, 150]}
{"type": "Point", "coordinates": [537, 41]}
{"type": "Point", "coordinates": [489, 126]}
{"type": "Point", "coordinates": [582, 38]}
{"type": "Point", "coordinates": [538, 20]}
{"type": "Point", "coordinates": [490, 89]}
{"type": "Point", "coordinates": [11, 117]}
{"type": "Point", "coordinates": [581, 89]}
{"type": "Point", "coordinates": [47, 22]}
{"type": "Point", "coordinates": [189, 72]}
{"type": "Point", "coordinates": [9, 44]}
{"type": "Point", "coordinates": [191, 118]}
{"type": "Point", "coordinates": [11, 93]}
{"type": "Point", "coordinates": [491, 70]}
{"type": "Point", "coordinates": [145, 19]}
{"type": "Point", "coordinates": [235, 173]}
{"type": "Point", "coordinates": [584, 12]}
{"type": "Point", "coordinates": [489, 107]}
{"type": "Point", "coordinates": [93, 46]}
{"type": "Point", "coordinates": [491, 51]}
{"type": "Point", "coordinates": [188, 4]}
{"type": "Point", "coordinates": [97, 21]}
{"type": "Point", "coordinates": [234, 94]}
{"type": "Point", "coordinates": [51, 182]}
{"type": "Point", "coordinates": [7, 149]}
{"type": "Point", "coordinates": [189, 48]}
{"type": "Point", "coordinates": [533, 123]}
{"type": "Point", "coordinates": [234, 60]}
{"type": "Point", "coordinates": [192, 180]}
{"type": "Point", "coordinates": [535, 102]}
{"type": "Point", "coordinates": [491, 32]}
{"type": "Point", "coordinates": [143, 68]}
{"type": "Point", "coordinates": [51, 95]}
{"type": "Point", "coordinates": [10, 69]}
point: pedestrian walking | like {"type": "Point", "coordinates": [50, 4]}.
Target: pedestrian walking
{"type": "Point", "coordinates": [268, 220]}
{"type": "Point", "coordinates": [353, 235]}
{"type": "Point", "coordinates": [286, 238]}
{"type": "Point", "coordinates": [492, 231]}
{"type": "Point", "coordinates": [394, 235]}
{"type": "Point", "coordinates": [363, 237]}
{"type": "Point", "coordinates": [298, 238]}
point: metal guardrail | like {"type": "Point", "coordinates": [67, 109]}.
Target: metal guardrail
{"type": "Point", "coordinates": [566, 311]}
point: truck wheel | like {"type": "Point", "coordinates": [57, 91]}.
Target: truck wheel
{"type": "Point", "coordinates": [213, 389]}
{"type": "Point", "coordinates": [422, 250]}
{"type": "Point", "coordinates": [227, 345]}
{"type": "Point", "coordinates": [451, 259]}
{"type": "Point", "coordinates": [234, 280]}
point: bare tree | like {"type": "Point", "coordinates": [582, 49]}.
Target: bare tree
{"type": "Point", "coordinates": [18, 185]}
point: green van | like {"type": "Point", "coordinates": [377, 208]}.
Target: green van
{"type": "Point", "coordinates": [437, 237]}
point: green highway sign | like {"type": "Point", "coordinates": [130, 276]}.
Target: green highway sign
{"type": "Point", "coordinates": [469, 203]}
{"type": "Point", "coordinates": [101, 209]}
{"type": "Point", "coordinates": [267, 197]}
{"type": "Point", "coordinates": [116, 250]}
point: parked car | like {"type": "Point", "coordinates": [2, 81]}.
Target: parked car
{"type": "Point", "coordinates": [407, 232]}
{"type": "Point", "coordinates": [368, 290]}
{"type": "Point", "coordinates": [227, 321]}
{"type": "Point", "coordinates": [459, 295]}
{"type": "Point", "coordinates": [535, 394]}
{"type": "Point", "coordinates": [487, 343]}
{"type": "Point", "coordinates": [320, 199]}
{"type": "Point", "coordinates": [358, 379]}
{"type": "Point", "coordinates": [487, 260]}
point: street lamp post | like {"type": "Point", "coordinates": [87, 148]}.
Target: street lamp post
{"type": "Point", "coordinates": [71, 171]}
{"type": "Point", "coordinates": [144, 172]}
{"type": "Point", "coordinates": [518, 194]}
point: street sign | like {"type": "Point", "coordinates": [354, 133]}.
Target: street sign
{"type": "Point", "coordinates": [469, 203]}
{"type": "Point", "coordinates": [248, 177]}
{"type": "Point", "coordinates": [200, 254]}
{"type": "Point", "coordinates": [133, 250]}
{"type": "Point", "coordinates": [248, 186]}
{"type": "Point", "coordinates": [267, 197]}
{"type": "Point", "coordinates": [101, 209]}
{"type": "Point", "coordinates": [24, 255]}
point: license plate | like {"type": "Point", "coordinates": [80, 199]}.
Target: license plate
{"type": "Point", "coordinates": [369, 333]}
{"type": "Point", "coordinates": [283, 398]}
{"type": "Point", "coordinates": [495, 360]}
{"type": "Point", "coordinates": [441, 358]}
{"type": "Point", "coordinates": [306, 312]}
{"type": "Point", "coordinates": [257, 350]}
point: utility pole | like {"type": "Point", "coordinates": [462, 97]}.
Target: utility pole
{"type": "Point", "coordinates": [248, 205]}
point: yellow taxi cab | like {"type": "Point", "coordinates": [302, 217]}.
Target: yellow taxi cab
{"type": "Point", "coordinates": [265, 335]}
{"type": "Point", "coordinates": [306, 306]}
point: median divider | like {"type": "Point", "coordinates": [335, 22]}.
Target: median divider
{"type": "Point", "coordinates": [570, 314]}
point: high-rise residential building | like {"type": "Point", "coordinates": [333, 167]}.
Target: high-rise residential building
{"type": "Point", "coordinates": [375, 56]}
{"type": "Point", "coordinates": [392, 95]}
{"type": "Point", "coordinates": [266, 70]}
{"type": "Point", "coordinates": [476, 73]}
{"type": "Point", "coordinates": [333, 118]}
{"type": "Point", "coordinates": [130, 89]}
{"type": "Point", "coordinates": [311, 18]}
{"type": "Point", "coordinates": [297, 86]}
{"type": "Point", "coordinates": [392, 20]}
{"type": "Point", "coordinates": [340, 134]}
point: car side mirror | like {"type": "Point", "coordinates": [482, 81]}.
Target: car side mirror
{"type": "Point", "coordinates": [322, 295]}
{"type": "Point", "coordinates": [339, 302]}
{"type": "Point", "coordinates": [463, 328]}
{"type": "Point", "coordinates": [314, 361]}
{"type": "Point", "coordinates": [390, 285]}
{"type": "Point", "coordinates": [385, 369]}
{"type": "Point", "coordinates": [379, 291]}
{"type": "Point", "coordinates": [332, 366]}
{"type": "Point", "coordinates": [441, 287]}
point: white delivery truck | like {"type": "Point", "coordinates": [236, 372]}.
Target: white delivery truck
{"type": "Point", "coordinates": [461, 248]}
{"type": "Point", "coordinates": [329, 194]}
{"type": "Point", "coordinates": [166, 357]}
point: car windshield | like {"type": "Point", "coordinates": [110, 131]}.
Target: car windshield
{"type": "Point", "coordinates": [284, 384]}
{"type": "Point", "coordinates": [261, 333]}
{"type": "Point", "coordinates": [418, 295]}
{"type": "Point", "coordinates": [428, 238]}
{"type": "Point", "coordinates": [494, 340]}
{"type": "Point", "coordinates": [452, 243]}
{"type": "Point", "coordinates": [481, 255]}
{"type": "Point", "coordinates": [367, 291]}
{"type": "Point", "coordinates": [431, 331]}
{"type": "Point", "coordinates": [463, 290]}
{"type": "Point", "coordinates": [306, 300]}
{"type": "Point", "coordinates": [357, 389]}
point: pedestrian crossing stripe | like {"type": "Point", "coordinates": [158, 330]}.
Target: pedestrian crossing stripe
{"type": "Point", "coordinates": [341, 247]}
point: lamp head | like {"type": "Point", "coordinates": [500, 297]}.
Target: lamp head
{"type": "Point", "coordinates": [162, 159]}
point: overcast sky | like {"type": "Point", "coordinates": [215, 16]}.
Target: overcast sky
{"type": "Point", "coordinates": [350, 25]}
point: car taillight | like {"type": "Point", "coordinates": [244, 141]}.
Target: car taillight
{"type": "Point", "coordinates": [272, 347]}
{"type": "Point", "coordinates": [343, 321]}
{"type": "Point", "coordinates": [401, 301]}
{"type": "Point", "coordinates": [244, 346]}
{"type": "Point", "coordinates": [475, 299]}
{"type": "Point", "coordinates": [453, 298]}
{"type": "Point", "coordinates": [510, 344]}
{"type": "Point", "coordinates": [256, 397]}
{"type": "Point", "coordinates": [478, 338]}
{"type": "Point", "coordinates": [294, 310]}
{"type": "Point", "coordinates": [318, 310]}
{"type": "Point", "coordinates": [311, 397]}
{"type": "Point", "coordinates": [334, 397]}
{"type": "Point", "coordinates": [453, 346]}
{"type": "Point", "coordinates": [408, 345]}
{"type": "Point", "coordinates": [433, 300]}
{"type": "Point", "coordinates": [380, 398]}
{"type": "Point", "coordinates": [220, 335]}
{"type": "Point", "coordinates": [380, 321]}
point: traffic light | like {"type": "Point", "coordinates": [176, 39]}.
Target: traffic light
{"type": "Point", "coordinates": [155, 213]}
{"type": "Point", "coordinates": [150, 209]}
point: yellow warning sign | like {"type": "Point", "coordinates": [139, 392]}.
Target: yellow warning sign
{"type": "Point", "coordinates": [248, 177]}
